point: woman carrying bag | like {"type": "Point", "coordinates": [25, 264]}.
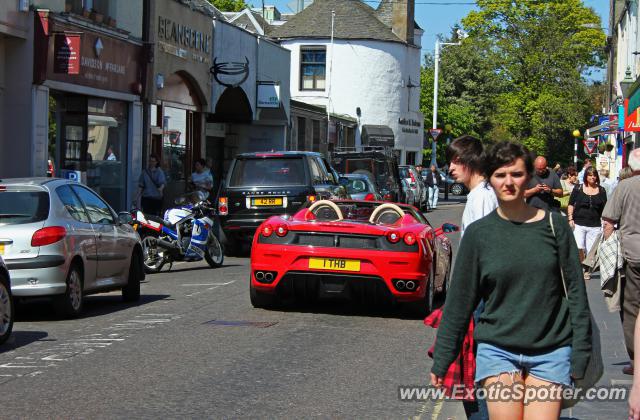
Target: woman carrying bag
{"type": "Point", "coordinates": [531, 334]}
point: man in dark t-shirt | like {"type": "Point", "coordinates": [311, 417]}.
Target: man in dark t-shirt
{"type": "Point", "coordinates": [544, 187]}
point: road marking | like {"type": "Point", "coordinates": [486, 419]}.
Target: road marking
{"type": "Point", "coordinates": [207, 284]}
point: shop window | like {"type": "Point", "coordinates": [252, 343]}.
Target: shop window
{"type": "Point", "coordinates": [313, 62]}
{"type": "Point", "coordinates": [107, 132]}
{"type": "Point", "coordinates": [302, 133]}
{"type": "Point", "coordinates": [411, 158]}
{"type": "Point", "coordinates": [316, 135]}
{"type": "Point", "coordinates": [174, 143]}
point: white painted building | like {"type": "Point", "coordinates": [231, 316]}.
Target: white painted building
{"type": "Point", "coordinates": [370, 70]}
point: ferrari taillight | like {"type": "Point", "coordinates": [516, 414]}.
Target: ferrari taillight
{"type": "Point", "coordinates": [282, 230]}
{"type": "Point", "coordinates": [393, 237]}
{"type": "Point", "coordinates": [410, 238]}
{"type": "Point", "coordinates": [267, 230]}
{"type": "Point", "coordinates": [370, 197]}
{"type": "Point", "coordinates": [388, 197]}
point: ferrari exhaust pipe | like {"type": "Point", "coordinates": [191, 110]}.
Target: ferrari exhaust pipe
{"type": "Point", "coordinates": [268, 277]}
{"type": "Point", "coordinates": [400, 285]}
{"type": "Point", "coordinates": [259, 275]}
{"type": "Point", "coordinates": [410, 285]}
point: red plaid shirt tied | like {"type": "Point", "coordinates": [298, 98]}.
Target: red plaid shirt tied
{"type": "Point", "coordinates": [461, 373]}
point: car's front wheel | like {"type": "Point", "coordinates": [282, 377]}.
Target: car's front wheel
{"type": "Point", "coordinates": [69, 304]}
{"type": "Point", "coordinates": [6, 309]}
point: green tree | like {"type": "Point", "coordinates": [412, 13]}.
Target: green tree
{"type": "Point", "coordinates": [520, 74]}
{"type": "Point", "coordinates": [229, 5]}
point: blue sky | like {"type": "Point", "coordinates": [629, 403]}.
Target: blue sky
{"type": "Point", "coordinates": [438, 19]}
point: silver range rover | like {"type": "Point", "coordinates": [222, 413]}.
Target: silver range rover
{"type": "Point", "coordinates": [61, 239]}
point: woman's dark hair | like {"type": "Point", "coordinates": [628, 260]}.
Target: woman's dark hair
{"type": "Point", "coordinates": [505, 153]}
{"type": "Point", "coordinates": [590, 171]}
{"type": "Point", "coordinates": [468, 151]}
{"type": "Point", "coordinates": [153, 156]}
{"type": "Point", "coordinates": [202, 162]}
{"type": "Point", "coordinates": [571, 171]}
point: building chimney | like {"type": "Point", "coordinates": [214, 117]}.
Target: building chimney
{"type": "Point", "coordinates": [403, 19]}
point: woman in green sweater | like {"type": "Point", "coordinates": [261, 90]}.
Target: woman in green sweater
{"type": "Point", "coordinates": [530, 336]}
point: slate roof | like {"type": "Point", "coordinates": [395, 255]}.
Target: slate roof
{"type": "Point", "coordinates": [354, 20]}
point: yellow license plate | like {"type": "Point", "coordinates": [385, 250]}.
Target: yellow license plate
{"type": "Point", "coordinates": [1, 249]}
{"type": "Point", "coordinates": [267, 201]}
{"type": "Point", "coordinates": [334, 264]}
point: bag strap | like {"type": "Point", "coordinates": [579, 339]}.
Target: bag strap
{"type": "Point", "coordinates": [553, 230]}
{"type": "Point", "coordinates": [148, 172]}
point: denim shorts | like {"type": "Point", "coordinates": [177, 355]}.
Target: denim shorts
{"type": "Point", "coordinates": [554, 367]}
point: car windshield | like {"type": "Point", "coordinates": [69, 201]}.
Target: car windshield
{"type": "Point", "coordinates": [261, 172]}
{"type": "Point", "coordinates": [357, 186]}
{"type": "Point", "coordinates": [18, 207]}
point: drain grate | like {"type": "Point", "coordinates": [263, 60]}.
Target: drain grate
{"type": "Point", "coordinates": [256, 324]}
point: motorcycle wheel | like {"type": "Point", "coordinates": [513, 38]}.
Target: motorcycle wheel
{"type": "Point", "coordinates": [214, 254]}
{"type": "Point", "coordinates": [153, 258]}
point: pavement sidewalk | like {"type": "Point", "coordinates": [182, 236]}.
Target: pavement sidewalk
{"type": "Point", "coordinates": [614, 356]}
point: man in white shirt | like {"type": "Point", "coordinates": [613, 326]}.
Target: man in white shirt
{"type": "Point", "coordinates": [465, 156]}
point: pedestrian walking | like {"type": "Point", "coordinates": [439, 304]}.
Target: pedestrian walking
{"type": "Point", "coordinates": [623, 210]}
{"type": "Point", "coordinates": [464, 155]}
{"type": "Point", "coordinates": [568, 181]}
{"type": "Point", "coordinates": [432, 180]}
{"type": "Point", "coordinates": [543, 187]}
{"type": "Point", "coordinates": [530, 337]}
{"type": "Point", "coordinates": [586, 204]}
{"type": "Point", "coordinates": [587, 165]}
{"type": "Point", "coordinates": [151, 187]}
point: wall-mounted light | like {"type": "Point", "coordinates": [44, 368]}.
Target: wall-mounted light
{"type": "Point", "coordinates": [358, 112]}
{"type": "Point", "coordinates": [159, 81]}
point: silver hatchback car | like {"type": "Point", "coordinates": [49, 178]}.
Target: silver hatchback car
{"type": "Point", "coordinates": [60, 239]}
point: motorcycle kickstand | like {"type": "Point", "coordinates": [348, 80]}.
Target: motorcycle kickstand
{"type": "Point", "coordinates": [170, 265]}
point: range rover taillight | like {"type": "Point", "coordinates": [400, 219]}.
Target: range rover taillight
{"type": "Point", "coordinates": [223, 206]}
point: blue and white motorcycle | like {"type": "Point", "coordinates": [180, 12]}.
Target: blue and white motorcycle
{"type": "Point", "coordinates": [184, 234]}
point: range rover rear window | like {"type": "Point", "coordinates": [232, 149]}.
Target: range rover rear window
{"type": "Point", "coordinates": [268, 172]}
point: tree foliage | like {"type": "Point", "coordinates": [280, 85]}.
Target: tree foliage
{"type": "Point", "coordinates": [520, 74]}
{"type": "Point", "coordinates": [229, 5]}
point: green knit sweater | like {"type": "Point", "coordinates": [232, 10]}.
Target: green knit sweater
{"type": "Point", "coordinates": [514, 268]}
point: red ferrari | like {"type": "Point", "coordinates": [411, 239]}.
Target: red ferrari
{"type": "Point", "coordinates": [356, 249]}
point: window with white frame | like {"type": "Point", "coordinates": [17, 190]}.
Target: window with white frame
{"type": "Point", "coordinates": [313, 63]}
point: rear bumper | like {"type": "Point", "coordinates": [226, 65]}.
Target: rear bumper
{"type": "Point", "coordinates": [382, 267]}
{"type": "Point", "coordinates": [41, 261]}
{"type": "Point", "coordinates": [32, 282]}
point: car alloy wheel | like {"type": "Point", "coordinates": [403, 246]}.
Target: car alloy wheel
{"type": "Point", "coordinates": [456, 189]}
{"type": "Point", "coordinates": [75, 290]}
{"type": "Point", "coordinates": [6, 312]}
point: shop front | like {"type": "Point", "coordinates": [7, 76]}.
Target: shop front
{"type": "Point", "coordinates": [250, 96]}
{"type": "Point", "coordinates": [90, 83]}
{"type": "Point", "coordinates": [178, 91]}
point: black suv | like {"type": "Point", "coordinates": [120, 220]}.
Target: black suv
{"type": "Point", "coordinates": [261, 185]}
{"type": "Point", "coordinates": [378, 163]}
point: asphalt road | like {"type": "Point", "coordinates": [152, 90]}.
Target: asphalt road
{"type": "Point", "coordinates": [195, 347]}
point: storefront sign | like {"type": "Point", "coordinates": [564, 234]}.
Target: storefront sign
{"type": "Point", "coordinates": [101, 62]}
{"type": "Point", "coordinates": [230, 74]}
{"type": "Point", "coordinates": [632, 121]}
{"type": "Point", "coordinates": [66, 50]}
{"type": "Point", "coordinates": [409, 125]}
{"type": "Point", "coordinates": [268, 96]}
{"type": "Point", "coordinates": [183, 35]}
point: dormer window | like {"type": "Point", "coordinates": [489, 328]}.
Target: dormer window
{"type": "Point", "coordinates": [313, 63]}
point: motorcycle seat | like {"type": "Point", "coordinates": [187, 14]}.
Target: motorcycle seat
{"type": "Point", "coordinates": [160, 220]}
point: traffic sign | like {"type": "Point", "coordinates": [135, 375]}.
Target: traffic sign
{"type": "Point", "coordinates": [435, 132]}
{"type": "Point", "coordinates": [590, 145]}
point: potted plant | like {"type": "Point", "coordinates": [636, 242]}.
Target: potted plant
{"type": "Point", "coordinates": [111, 22]}
{"type": "Point", "coordinates": [86, 13]}
{"type": "Point", "coordinates": [68, 7]}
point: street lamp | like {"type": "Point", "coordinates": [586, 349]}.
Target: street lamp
{"type": "Point", "coordinates": [576, 136]}
{"type": "Point", "coordinates": [461, 35]}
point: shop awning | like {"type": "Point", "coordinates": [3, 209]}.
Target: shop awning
{"type": "Point", "coordinates": [377, 135]}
